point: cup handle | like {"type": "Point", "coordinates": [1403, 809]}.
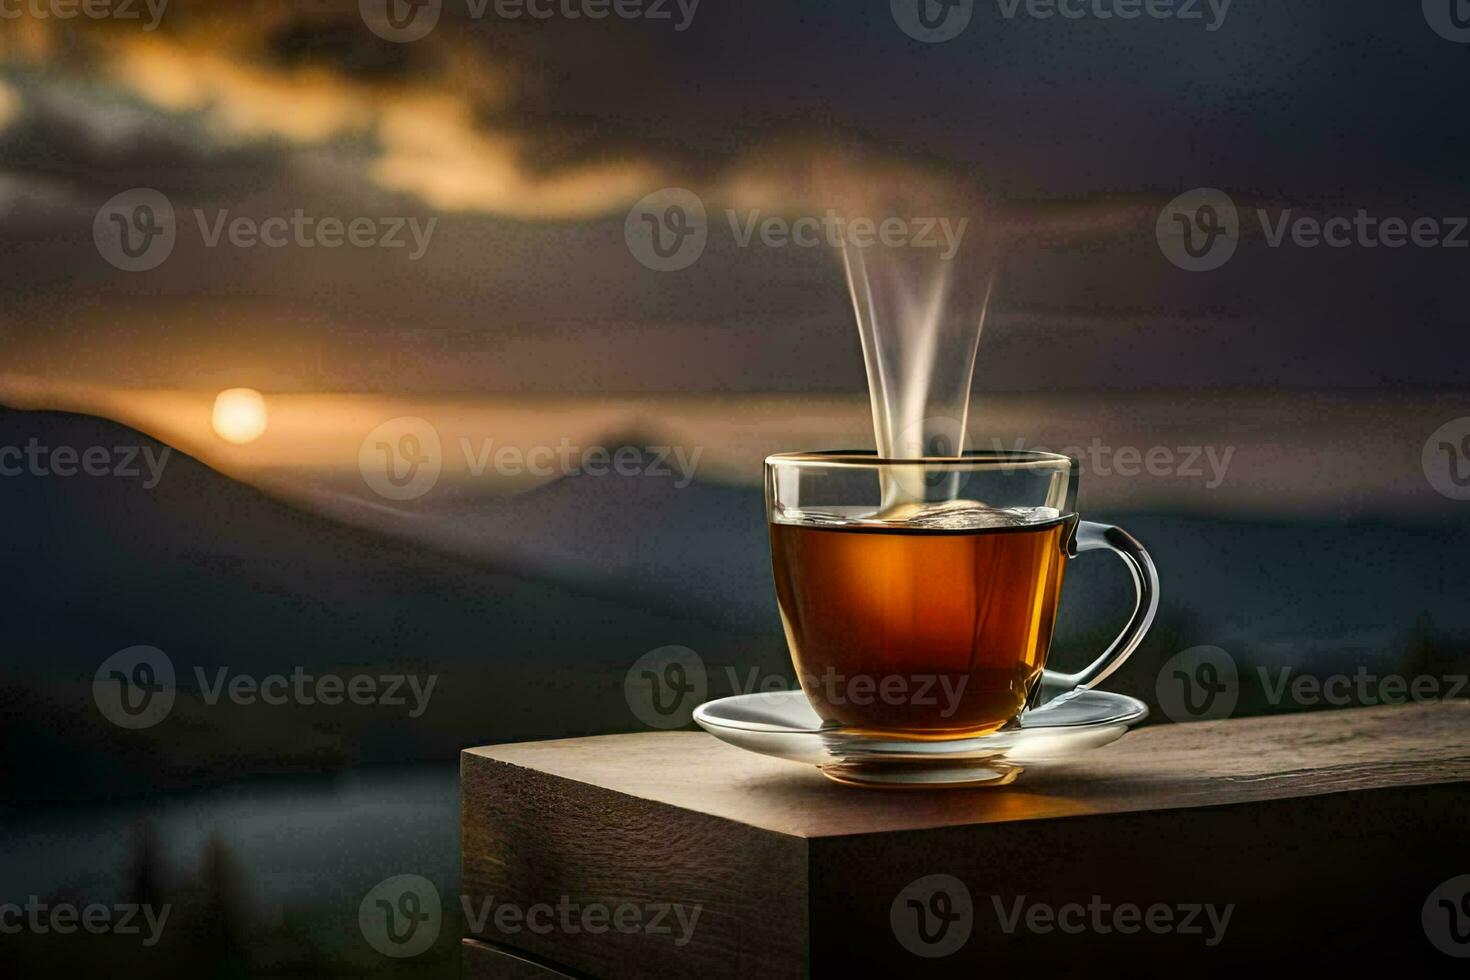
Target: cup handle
{"type": "Point", "coordinates": [1104, 537]}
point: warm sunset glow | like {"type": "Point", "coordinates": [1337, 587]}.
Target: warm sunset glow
{"type": "Point", "coordinates": [239, 415]}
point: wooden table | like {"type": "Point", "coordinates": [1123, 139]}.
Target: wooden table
{"type": "Point", "coordinates": [1321, 836]}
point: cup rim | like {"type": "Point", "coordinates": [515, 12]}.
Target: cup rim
{"type": "Point", "coordinates": [971, 459]}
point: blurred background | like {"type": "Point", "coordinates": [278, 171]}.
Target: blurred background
{"type": "Point", "coordinates": [331, 346]}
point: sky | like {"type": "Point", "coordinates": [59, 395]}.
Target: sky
{"type": "Point", "coordinates": [517, 146]}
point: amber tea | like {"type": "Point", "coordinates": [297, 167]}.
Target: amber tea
{"type": "Point", "coordinates": [920, 630]}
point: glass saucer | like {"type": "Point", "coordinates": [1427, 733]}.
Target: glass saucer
{"type": "Point", "coordinates": [784, 725]}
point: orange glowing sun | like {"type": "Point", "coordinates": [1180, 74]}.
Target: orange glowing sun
{"type": "Point", "coordinates": [239, 415]}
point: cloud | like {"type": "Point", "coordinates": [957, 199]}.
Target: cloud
{"type": "Point", "coordinates": [451, 119]}
{"type": "Point", "coordinates": [432, 148]}
{"type": "Point", "coordinates": [241, 99]}
{"type": "Point", "coordinates": [429, 128]}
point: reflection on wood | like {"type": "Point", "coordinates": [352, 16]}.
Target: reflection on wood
{"type": "Point", "coordinates": [1325, 824]}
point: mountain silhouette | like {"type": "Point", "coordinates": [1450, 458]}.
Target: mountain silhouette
{"type": "Point", "coordinates": [220, 576]}
{"type": "Point", "coordinates": [528, 611]}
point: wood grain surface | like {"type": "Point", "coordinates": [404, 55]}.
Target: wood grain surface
{"type": "Point", "coordinates": [1324, 832]}
{"type": "Point", "coordinates": [1161, 767]}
